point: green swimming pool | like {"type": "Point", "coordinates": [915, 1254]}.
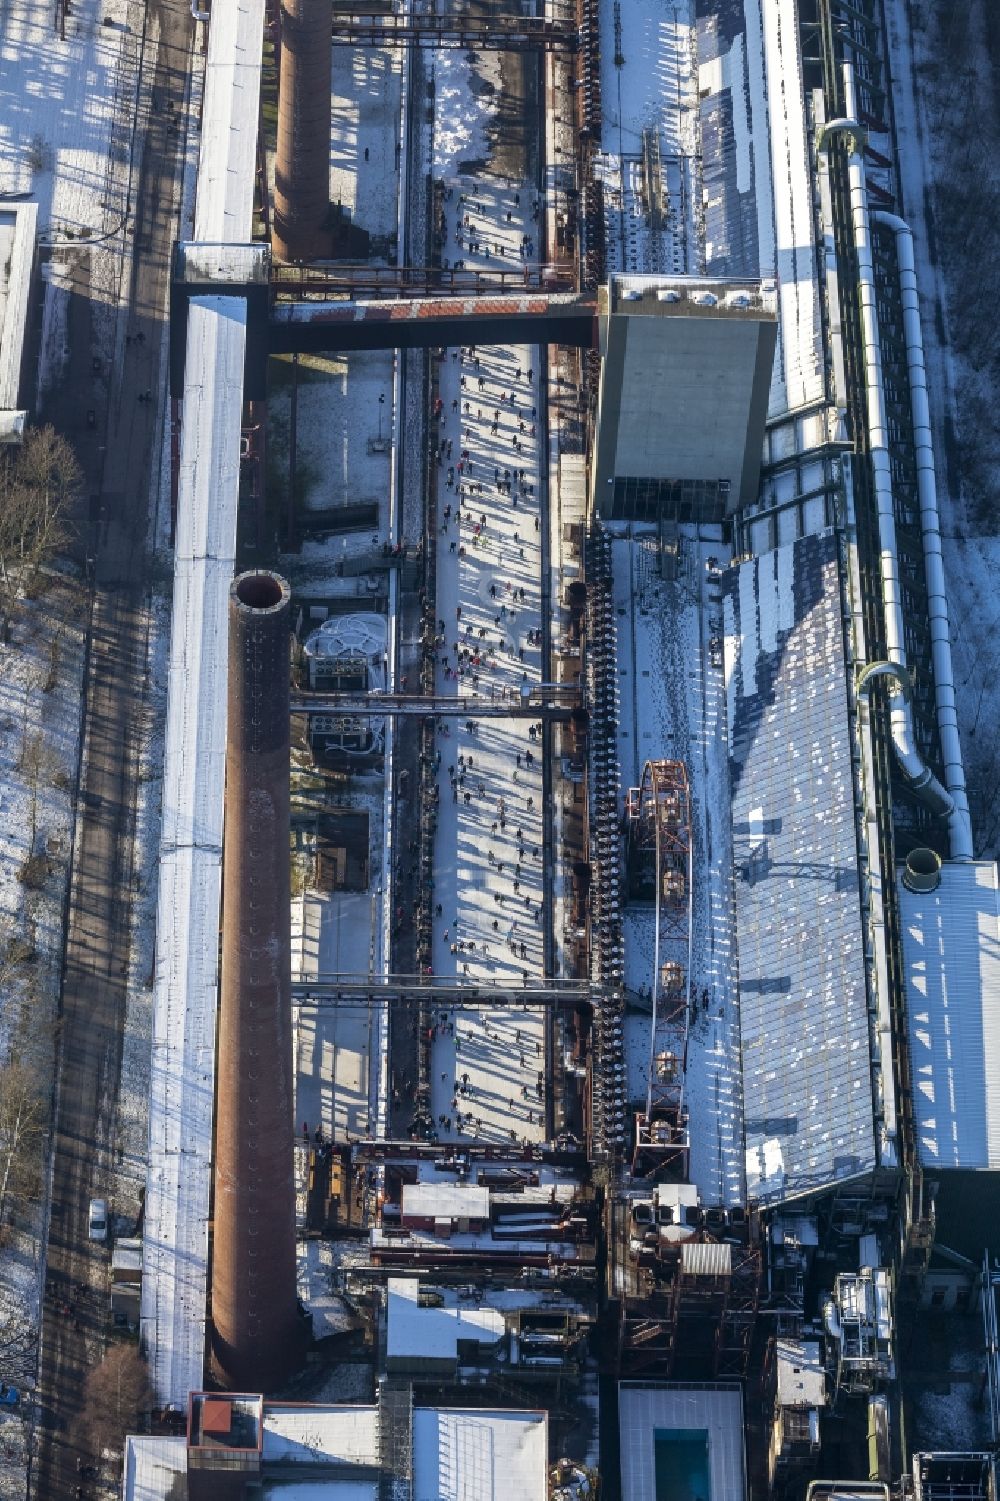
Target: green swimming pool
{"type": "Point", "coordinates": [681, 1464]}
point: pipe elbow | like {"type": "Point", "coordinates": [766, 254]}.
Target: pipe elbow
{"type": "Point", "coordinates": [843, 125]}
{"type": "Point", "coordinates": [891, 221]}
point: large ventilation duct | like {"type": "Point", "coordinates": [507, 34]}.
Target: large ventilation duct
{"type": "Point", "coordinates": [960, 826]}
{"type": "Point", "coordinates": [302, 159]}
{"type": "Point", "coordinates": [254, 1312]}
{"type": "Point", "coordinates": [917, 773]}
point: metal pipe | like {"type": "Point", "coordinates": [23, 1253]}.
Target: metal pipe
{"type": "Point", "coordinates": [915, 770]}
{"type": "Point", "coordinates": [829, 1490]}
{"type": "Point", "coordinates": [960, 823]}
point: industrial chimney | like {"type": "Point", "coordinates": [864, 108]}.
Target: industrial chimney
{"type": "Point", "coordinates": [256, 1329]}
{"type": "Point", "coordinates": [302, 159]}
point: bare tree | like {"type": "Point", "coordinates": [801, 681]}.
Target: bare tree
{"type": "Point", "coordinates": [39, 486]}
{"type": "Point", "coordinates": [23, 1123]}
{"type": "Point", "coordinates": [116, 1395]}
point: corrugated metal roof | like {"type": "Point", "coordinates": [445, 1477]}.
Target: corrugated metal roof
{"type": "Point", "coordinates": [803, 1003]}
{"type": "Point", "coordinates": [646, 1408]}
{"type": "Point", "coordinates": [951, 956]}
{"type": "Point", "coordinates": [701, 1258]}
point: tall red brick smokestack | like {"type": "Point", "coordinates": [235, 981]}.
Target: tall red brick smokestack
{"type": "Point", "coordinates": [254, 1315]}
{"type": "Point", "coordinates": [302, 158]}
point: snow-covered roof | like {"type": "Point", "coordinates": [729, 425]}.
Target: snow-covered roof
{"type": "Point", "coordinates": [445, 1201]}
{"type": "Point", "coordinates": [807, 1072]}
{"type": "Point", "coordinates": [459, 1454]}
{"type": "Point", "coordinates": [470, 1454]}
{"type": "Point", "coordinates": [151, 1467]}
{"type": "Point", "coordinates": [951, 959]}
{"type": "Point", "coordinates": [433, 1332]}
{"type": "Point", "coordinates": [722, 98]}
{"type": "Point", "coordinates": [309, 1434]}
{"type": "Point", "coordinates": [649, 1410]}
{"type": "Point", "coordinates": [178, 1180]}
{"type": "Point", "coordinates": [17, 254]}
{"type": "Point", "coordinates": [798, 374]}
{"type": "Point", "coordinates": [364, 633]}
{"type": "Point", "coordinates": [224, 201]}
{"type": "Point", "coordinates": [801, 1374]}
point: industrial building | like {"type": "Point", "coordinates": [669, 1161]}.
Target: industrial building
{"type": "Point", "coordinates": [238, 1445]}
{"type": "Point", "coordinates": [637, 971]}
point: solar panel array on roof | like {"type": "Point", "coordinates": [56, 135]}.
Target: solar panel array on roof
{"type": "Point", "coordinates": [803, 1001]}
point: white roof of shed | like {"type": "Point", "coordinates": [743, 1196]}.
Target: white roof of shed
{"type": "Point", "coordinates": [320, 1434]}
{"type": "Point", "coordinates": [951, 959]}
{"type": "Point", "coordinates": [446, 1201]}
{"type": "Point", "coordinates": [433, 1333]}
{"type": "Point", "coordinates": [801, 1374]}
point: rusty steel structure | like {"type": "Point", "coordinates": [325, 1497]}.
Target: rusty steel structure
{"type": "Point", "coordinates": [658, 857]}
{"type": "Point", "coordinates": [253, 1295]}
{"type": "Point", "coordinates": [374, 26]}
{"type": "Point", "coordinates": [690, 1306]}
{"type": "Point", "coordinates": [302, 159]}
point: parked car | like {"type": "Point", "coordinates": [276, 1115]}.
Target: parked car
{"type": "Point", "coordinates": [97, 1220]}
{"type": "Point", "coordinates": [9, 1395]}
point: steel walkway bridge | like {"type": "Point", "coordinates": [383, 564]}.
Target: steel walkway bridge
{"type": "Point", "coordinates": [436, 990]}
{"type": "Point", "coordinates": [373, 26]}
{"type": "Point", "coordinates": [315, 310]}
{"type": "Point", "coordinates": [534, 705]}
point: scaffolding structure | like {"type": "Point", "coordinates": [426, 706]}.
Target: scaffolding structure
{"type": "Point", "coordinates": [395, 1439]}
{"type": "Point", "coordinates": [658, 862]}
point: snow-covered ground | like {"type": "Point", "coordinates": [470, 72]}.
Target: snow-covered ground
{"type": "Point", "coordinates": [462, 100]}
{"type": "Point", "coordinates": [937, 151]}
{"type": "Point", "coordinates": [340, 457]}
{"type": "Point", "coordinates": [345, 455]}
{"type": "Point", "coordinates": [40, 674]}
{"type": "Point", "coordinates": [72, 107]}
{"type": "Point", "coordinates": [364, 166]}
{"type": "Point", "coordinates": [339, 932]}
{"type": "Point", "coordinates": [132, 1125]}
{"type": "Point", "coordinates": [62, 99]}
{"type": "Point", "coordinates": [488, 845]}
{"type": "Point", "coordinates": [673, 706]}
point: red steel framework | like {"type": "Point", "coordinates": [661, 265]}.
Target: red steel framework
{"type": "Point", "coordinates": [658, 831]}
